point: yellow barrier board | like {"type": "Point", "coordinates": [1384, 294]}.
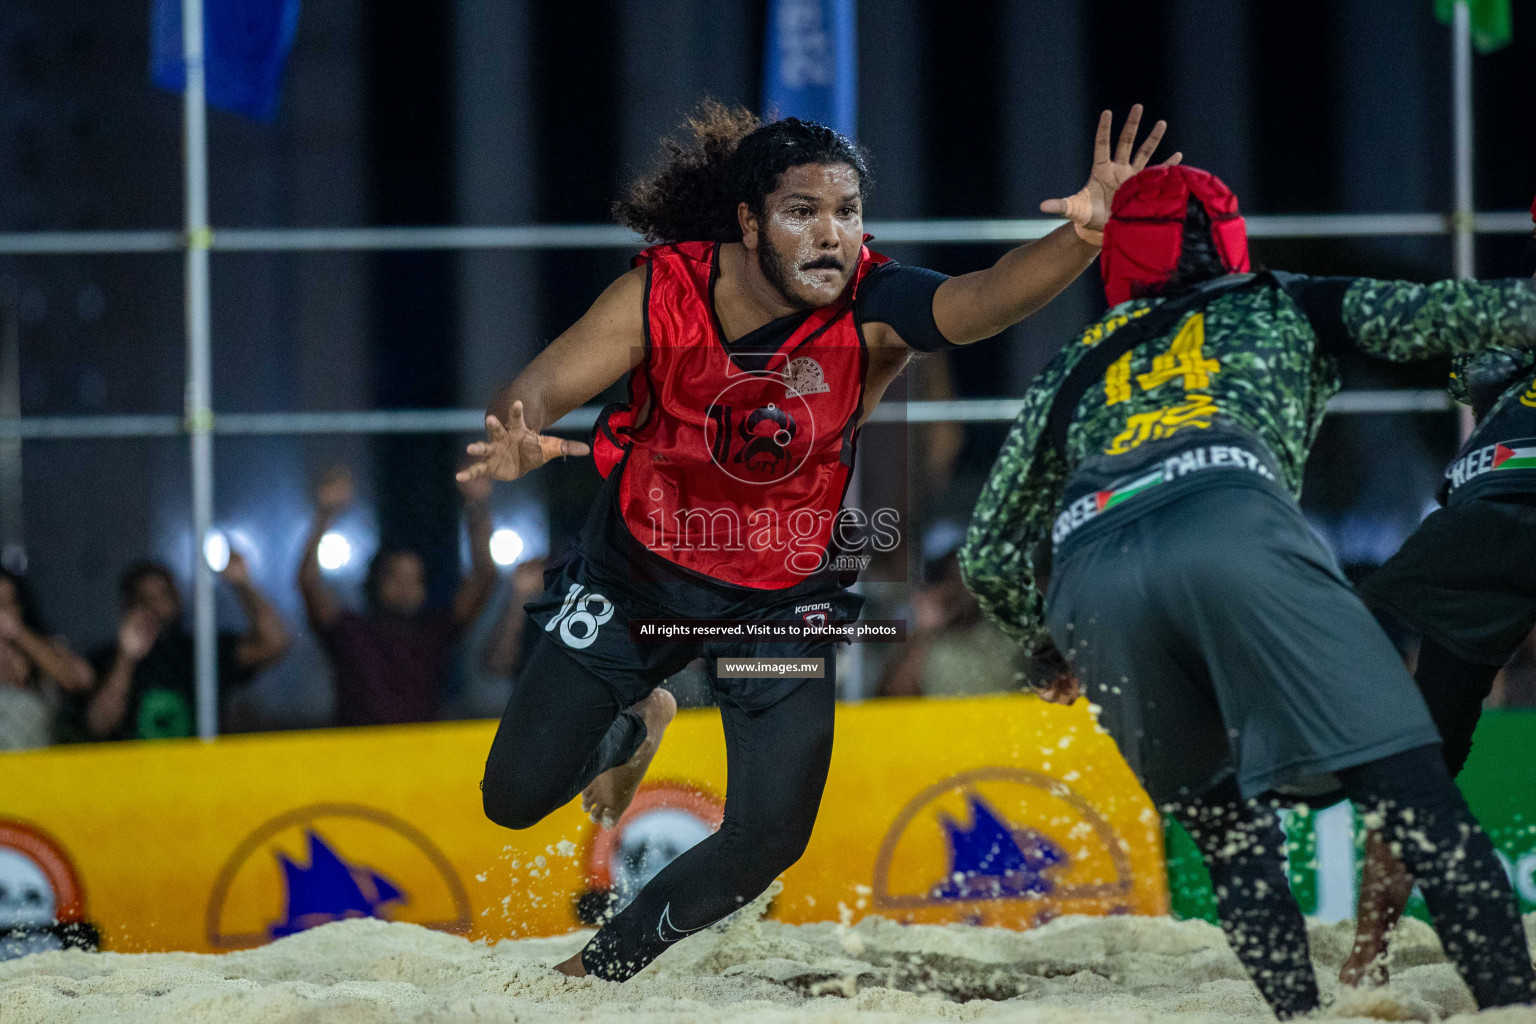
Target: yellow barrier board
{"type": "Point", "coordinates": [999, 810]}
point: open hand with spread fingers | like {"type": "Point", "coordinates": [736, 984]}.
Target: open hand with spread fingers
{"type": "Point", "coordinates": [513, 449]}
{"type": "Point", "coordinates": [1088, 209]}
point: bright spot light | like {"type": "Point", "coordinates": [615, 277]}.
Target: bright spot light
{"type": "Point", "coordinates": [506, 546]}
{"type": "Point", "coordinates": [216, 550]}
{"type": "Point", "coordinates": [334, 552]}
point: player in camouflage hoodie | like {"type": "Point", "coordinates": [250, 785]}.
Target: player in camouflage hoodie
{"type": "Point", "coordinates": [1463, 581]}
{"type": "Point", "coordinates": [1140, 536]}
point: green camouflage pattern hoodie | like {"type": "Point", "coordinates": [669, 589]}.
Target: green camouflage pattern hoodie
{"type": "Point", "coordinates": [1262, 359]}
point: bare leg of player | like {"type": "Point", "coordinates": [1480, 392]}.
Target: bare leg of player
{"type": "Point", "coordinates": [609, 795]}
{"type": "Point", "coordinates": [1385, 886]}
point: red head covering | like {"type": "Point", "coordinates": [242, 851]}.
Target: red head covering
{"type": "Point", "coordinates": [1146, 228]}
{"type": "Point", "coordinates": [1533, 211]}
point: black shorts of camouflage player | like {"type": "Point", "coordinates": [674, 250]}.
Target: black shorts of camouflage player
{"type": "Point", "coordinates": [1463, 581]}
{"type": "Point", "coordinates": [1231, 661]}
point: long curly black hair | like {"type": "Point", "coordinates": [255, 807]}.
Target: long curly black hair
{"type": "Point", "coordinates": [732, 157]}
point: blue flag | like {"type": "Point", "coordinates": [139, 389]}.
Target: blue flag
{"type": "Point", "coordinates": [811, 69]}
{"type": "Point", "coordinates": [245, 44]}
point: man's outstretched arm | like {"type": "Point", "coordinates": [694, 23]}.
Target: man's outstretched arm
{"type": "Point", "coordinates": [974, 306]}
{"type": "Point", "coordinates": [1401, 320]}
{"type": "Point", "coordinates": [607, 342]}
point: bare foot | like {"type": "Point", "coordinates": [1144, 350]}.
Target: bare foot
{"type": "Point", "coordinates": [1385, 886]}
{"type": "Point", "coordinates": [606, 799]}
{"type": "Point", "coordinates": [573, 967]}
{"type": "Point", "coordinates": [1366, 966]}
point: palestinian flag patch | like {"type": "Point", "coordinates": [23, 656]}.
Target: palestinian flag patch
{"type": "Point", "coordinates": [1109, 499]}
{"type": "Point", "coordinates": [1505, 457]}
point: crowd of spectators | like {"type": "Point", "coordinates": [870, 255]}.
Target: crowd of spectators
{"type": "Point", "coordinates": [391, 658]}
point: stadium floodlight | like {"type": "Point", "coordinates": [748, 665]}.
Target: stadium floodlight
{"type": "Point", "coordinates": [506, 546]}
{"type": "Point", "coordinates": [216, 550]}
{"type": "Point", "coordinates": [334, 552]}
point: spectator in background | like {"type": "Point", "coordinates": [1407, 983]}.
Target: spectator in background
{"type": "Point", "coordinates": [389, 663]}
{"type": "Point", "coordinates": [33, 667]}
{"type": "Point", "coordinates": [951, 649]}
{"type": "Point", "coordinates": [147, 678]}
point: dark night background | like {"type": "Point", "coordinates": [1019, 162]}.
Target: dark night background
{"type": "Point", "coordinates": [509, 111]}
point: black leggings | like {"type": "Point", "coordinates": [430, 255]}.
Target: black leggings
{"type": "Point", "coordinates": [563, 727]}
{"type": "Point", "coordinates": [1410, 796]}
{"type": "Point", "coordinates": [1243, 844]}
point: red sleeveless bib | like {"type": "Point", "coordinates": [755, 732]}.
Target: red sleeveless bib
{"type": "Point", "coordinates": [731, 472]}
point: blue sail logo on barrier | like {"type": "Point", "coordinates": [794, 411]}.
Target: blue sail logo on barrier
{"type": "Point", "coordinates": [330, 889]}
{"type": "Point", "coordinates": [990, 860]}
{"type": "Point", "coordinates": [1011, 846]}
{"type": "Point", "coordinates": [328, 862]}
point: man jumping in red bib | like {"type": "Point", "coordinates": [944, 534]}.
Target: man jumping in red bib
{"type": "Point", "coordinates": [757, 335]}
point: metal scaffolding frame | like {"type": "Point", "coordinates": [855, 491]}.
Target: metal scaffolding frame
{"type": "Point", "coordinates": [611, 236]}
{"type": "Point", "coordinates": [198, 239]}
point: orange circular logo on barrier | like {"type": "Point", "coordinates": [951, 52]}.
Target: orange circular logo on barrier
{"type": "Point", "coordinates": [665, 819]}
{"type": "Point", "coordinates": [38, 882]}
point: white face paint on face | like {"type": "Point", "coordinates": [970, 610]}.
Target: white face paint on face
{"type": "Point", "coordinates": [808, 243]}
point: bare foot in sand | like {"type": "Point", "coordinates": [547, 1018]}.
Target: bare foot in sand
{"type": "Point", "coordinates": [1366, 966]}
{"type": "Point", "coordinates": [606, 799]}
{"type": "Point", "coordinates": [573, 967]}
{"type": "Point", "coordinates": [1385, 886]}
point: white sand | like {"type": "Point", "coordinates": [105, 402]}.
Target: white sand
{"type": "Point", "coordinates": [1073, 971]}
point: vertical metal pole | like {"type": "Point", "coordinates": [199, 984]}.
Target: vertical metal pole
{"type": "Point", "coordinates": [1465, 253]}
{"type": "Point", "coordinates": [1463, 241]}
{"type": "Point", "coordinates": [198, 412]}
